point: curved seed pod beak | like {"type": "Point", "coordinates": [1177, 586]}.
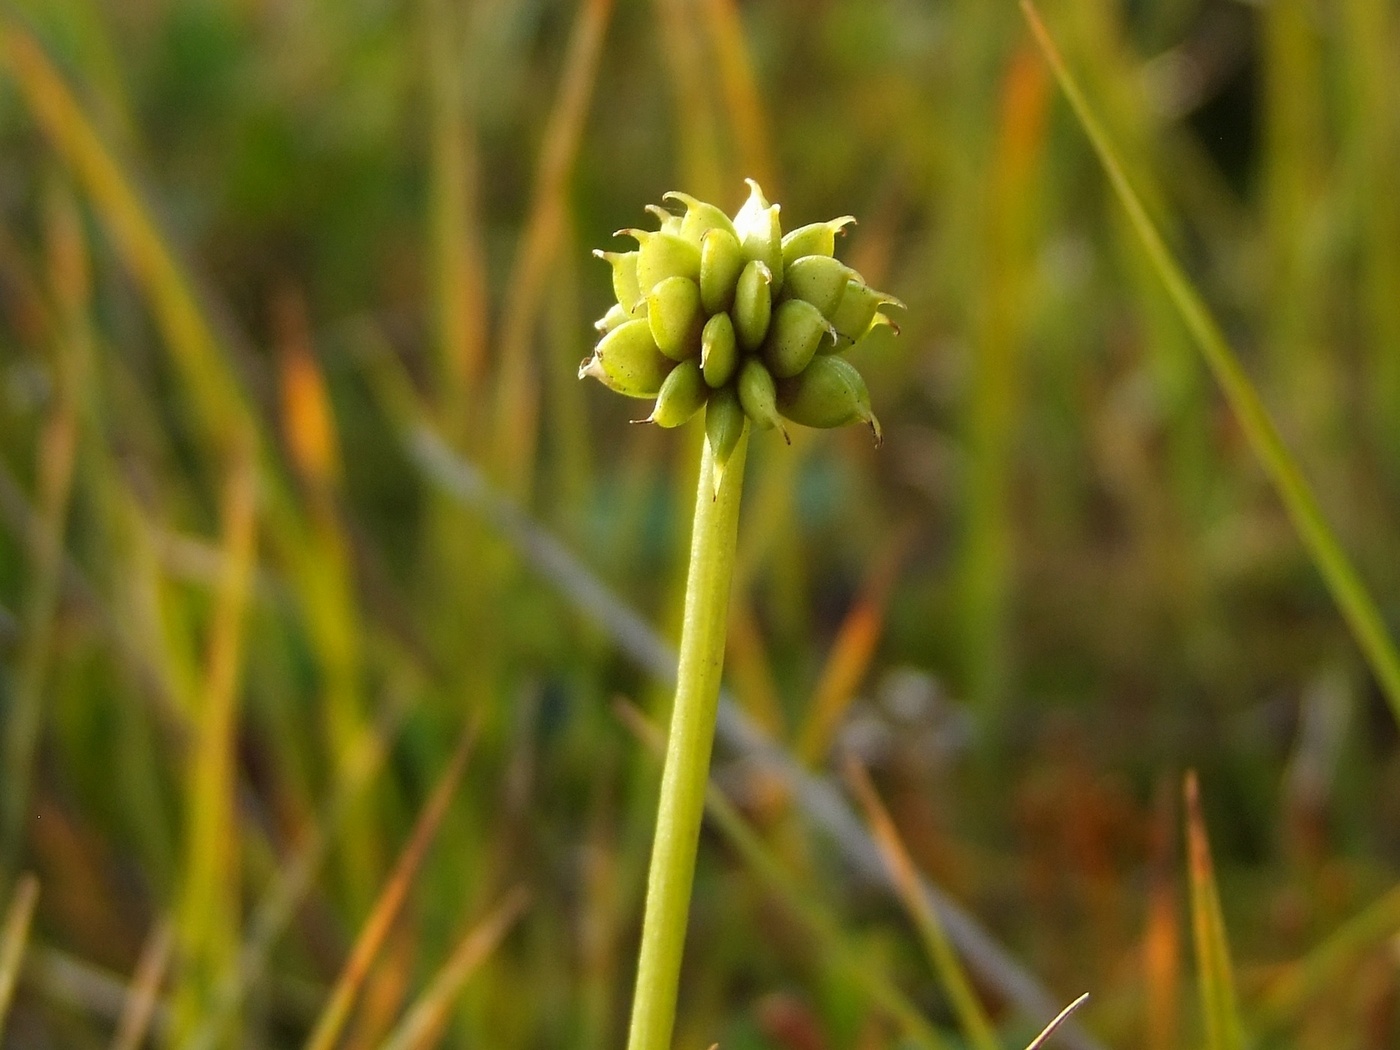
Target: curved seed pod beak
{"type": "Point", "coordinates": [753, 304]}
{"type": "Point", "coordinates": [820, 280]}
{"type": "Point", "coordinates": [794, 334]}
{"type": "Point", "coordinates": [719, 352]}
{"type": "Point", "coordinates": [721, 260]}
{"type": "Point", "coordinates": [856, 311]}
{"type": "Point", "coordinates": [724, 426]}
{"type": "Point", "coordinates": [624, 276]}
{"type": "Point", "coordinates": [668, 223]}
{"type": "Point", "coordinates": [660, 255]}
{"type": "Point", "coordinates": [818, 238]}
{"type": "Point", "coordinates": [700, 217]}
{"type": "Point", "coordinates": [673, 312]}
{"type": "Point", "coordinates": [616, 315]}
{"type": "Point", "coordinates": [627, 360]}
{"type": "Point", "coordinates": [828, 393]}
{"type": "Point", "coordinates": [682, 395]}
{"type": "Point", "coordinates": [758, 397]}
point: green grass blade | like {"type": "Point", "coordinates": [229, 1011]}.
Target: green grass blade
{"type": "Point", "coordinates": [1350, 594]}
{"type": "Point", "coordinates": [1222, 1015]}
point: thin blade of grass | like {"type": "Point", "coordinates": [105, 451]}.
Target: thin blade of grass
{"type": "Point", "coordinates": [459, 270]}
{"type": "Point", "coordinates": [695, 127]}
{"type": "Point", "coordinates": [976, 1025]}
{"type": "Point", "coordinates": [14, 936]}
{"type": "Point", "coordinates": [424, 1020]}
{"type": "Point", "coordinates": [1044, 1037]}
{"type": "Point", "coordinates": [742, 98]}
{"type": "Point", "coordinates": [517, 391]}
{"type": "Point", "coordinates": [1357, 606]}
{"type": "Point", "coordinates": [1214, 970]}
{"type": "Point", "coordinates": [1304, 980]}
{"type": "Point", "coordinates": [279, 902]}
{"type": "Point", "coordinates": [207, 922]}
{"type": "Point", "coordinates": [144, 994]}
{"type": "Point", "coordinates": [69, 282]}
{"type": "Point", "coordinates": [851, 652]}
{"type": "Point", "coordinates": [823, 927]}
{"type": "Point", "coordinates": [391, 900]}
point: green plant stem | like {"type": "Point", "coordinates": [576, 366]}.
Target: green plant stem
{"type": "Point", "coordinates": [713, 540]}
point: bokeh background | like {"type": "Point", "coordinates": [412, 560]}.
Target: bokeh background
{"type": "Point", "coordinates": [298, 489]}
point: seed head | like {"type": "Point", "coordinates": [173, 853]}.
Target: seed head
{"type": "Point", "coordinates": [731, 316]}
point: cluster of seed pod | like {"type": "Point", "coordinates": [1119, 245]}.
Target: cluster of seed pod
{"type": "Point", "coordinates": [735, 318]}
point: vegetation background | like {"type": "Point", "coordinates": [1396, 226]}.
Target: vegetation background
{"type": "Point", "coordinates": [300, 499]}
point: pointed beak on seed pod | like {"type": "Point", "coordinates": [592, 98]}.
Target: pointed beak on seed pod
{"type": "Point", "coordinates": [735, 318]}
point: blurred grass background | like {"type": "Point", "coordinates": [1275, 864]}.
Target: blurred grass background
{"type": "Point", "coordinates": [249, 641]}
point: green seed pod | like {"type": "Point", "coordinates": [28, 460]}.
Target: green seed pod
{"type": "Point", "coordinates": [616, 315]}
{"type": "Point", "coordinates": [682, 395]}
{"type": "Point", "coordinates": [721, 260]}
{"type": "Point", "coordinates": [627, 361]}
{"type": "Point", "coordinates": [797, 329]}
{"type": "Point", "coordinates": [661, 255]}
{"type": "Point", "coordinates": [819, 238]}
{"type": "Point", "coordinates": [828, 393]}
{"type": "Point", "coordinates": [724, 426]}
{"type": "Point", "coordinates": [673, 312]}
{"type": "Point", "coordinates": [699, 218]}
{"type": "Point", "coordinates": [758, 397]}
{"type": "Point", "coordinates": [624, 276]}
{"type": "Point", "coordinates": [719, 352]}
{"type": "Point", "coordinates": [753, 304]}
{"type": "Point", "coordinates": [761, 234]}
{"type": "Point", "coordinates": [820, 280]}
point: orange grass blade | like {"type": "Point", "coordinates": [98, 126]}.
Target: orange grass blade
{"type": "Point", "coordinates": [14, 936]}
{"type": "Point", "coordinates": [1214, 971]}
{"type": "Point", "coordinates": [851, 653]}
{"type": "Point", "coordinates": [143, 995]}
{"type": "Point", "coordinates": [976, 1025]}
{"type": "Point", "coordinates": [517, 394]}
{"type": "Point", "coordinates": [422, 1025]}
{"type": "Point", "coordinates": [1358, 608]}
{"type": "Point", "coordinates": [376, 928]}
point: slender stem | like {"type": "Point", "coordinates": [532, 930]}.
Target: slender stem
{"type": "Point", "coordinates": [683, 782]}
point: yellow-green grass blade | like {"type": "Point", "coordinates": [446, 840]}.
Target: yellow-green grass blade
{"type": "Point", "coordinates": [217, 396]}
{"type": "Point", "coordinates": [518, 384]}
{"type": "Point", "coordinates": [1304, 980]}
{"type": "Point", "coordinates": [1214, 970]}
{"type": "Point", "coordinates": [14, 935]}
{"type": "Point", "coordinates": [1357, 606]}
{"type": "Point", "coordinates": [207, 921]}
